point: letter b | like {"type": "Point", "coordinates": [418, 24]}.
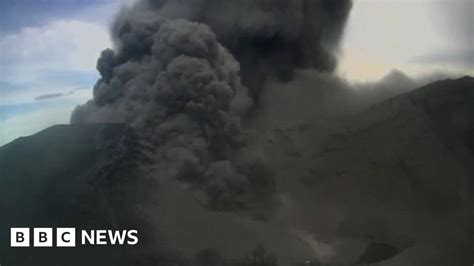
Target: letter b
{"type": "Point", "coordinates": [43, 237]}
{"type": "Point", "coordinates": [20, 237]}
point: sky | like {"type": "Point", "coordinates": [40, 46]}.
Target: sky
{"type": "Point", "coordinates": [418, 37]}
{"type": "Point", "coordinates": [50, 48]}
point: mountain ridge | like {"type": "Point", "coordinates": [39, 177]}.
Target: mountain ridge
{"type": "Point", "coordinates": [397, 173]}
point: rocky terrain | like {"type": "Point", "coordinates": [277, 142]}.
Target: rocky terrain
{"type": "Point", "coordinates": [387, 182]}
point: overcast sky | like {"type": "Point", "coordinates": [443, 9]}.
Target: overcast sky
{"type": "Point", "coordinates": [50, 47]}
{"type": "Point", "coordinates": [417, 37]}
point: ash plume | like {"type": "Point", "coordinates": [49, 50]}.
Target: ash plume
{"type": "Point", "coordinates": [185, 73]}
{"type": "Point", "coordinates": [268, 38]}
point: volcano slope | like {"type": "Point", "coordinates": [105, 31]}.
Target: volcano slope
{"type": "Point", "coordinates": [396, 174]}
{"type": "Point", "coordinates": [71, 176]}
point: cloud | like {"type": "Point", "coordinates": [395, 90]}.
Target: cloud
{"type": "Point", "coordinates": [65, 44]}
{"type": "Point", "coordinates": [23, 116]}
{"type": "Point", "coordinates": [58, 56]}
{"type": "Point", "coordinates": [27, 13]}
{"type": "Point", "coordinates": [460, 58]}
{"type": "Point", "coordinates": [49, 46]}
{"type": "Point", "coordinates": [52, 96]}
{"type": "Point", "coordinates": [184, 79]}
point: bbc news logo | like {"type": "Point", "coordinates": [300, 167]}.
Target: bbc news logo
{"type": "Point", "coordinates": [66, 237]}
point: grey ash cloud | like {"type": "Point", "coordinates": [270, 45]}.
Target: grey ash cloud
{"type": "Point", "coordinates": [185, 73]}
{"type": "Point", "coordinates": [266, 37]}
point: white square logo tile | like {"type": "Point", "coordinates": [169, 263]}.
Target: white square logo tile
{"type": "Point", "coordinates": [66, 237]}
{"type": "Point", "coordinates": [43, 237]}
{"type": "Point", "coordinates": [19, 237]}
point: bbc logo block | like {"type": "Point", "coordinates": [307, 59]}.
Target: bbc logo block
{"type": "Point", "coordinates": [42, 237]}
{"type": "Point", "coordinates": [66, 237]}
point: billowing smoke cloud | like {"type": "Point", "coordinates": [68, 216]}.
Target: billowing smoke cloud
{"type": "Point", "coordinates": [180, 74]}
{"type": "Point", "coordinates": [266, 37]}
{"type": "Point", "coordinates": [185, 96]}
